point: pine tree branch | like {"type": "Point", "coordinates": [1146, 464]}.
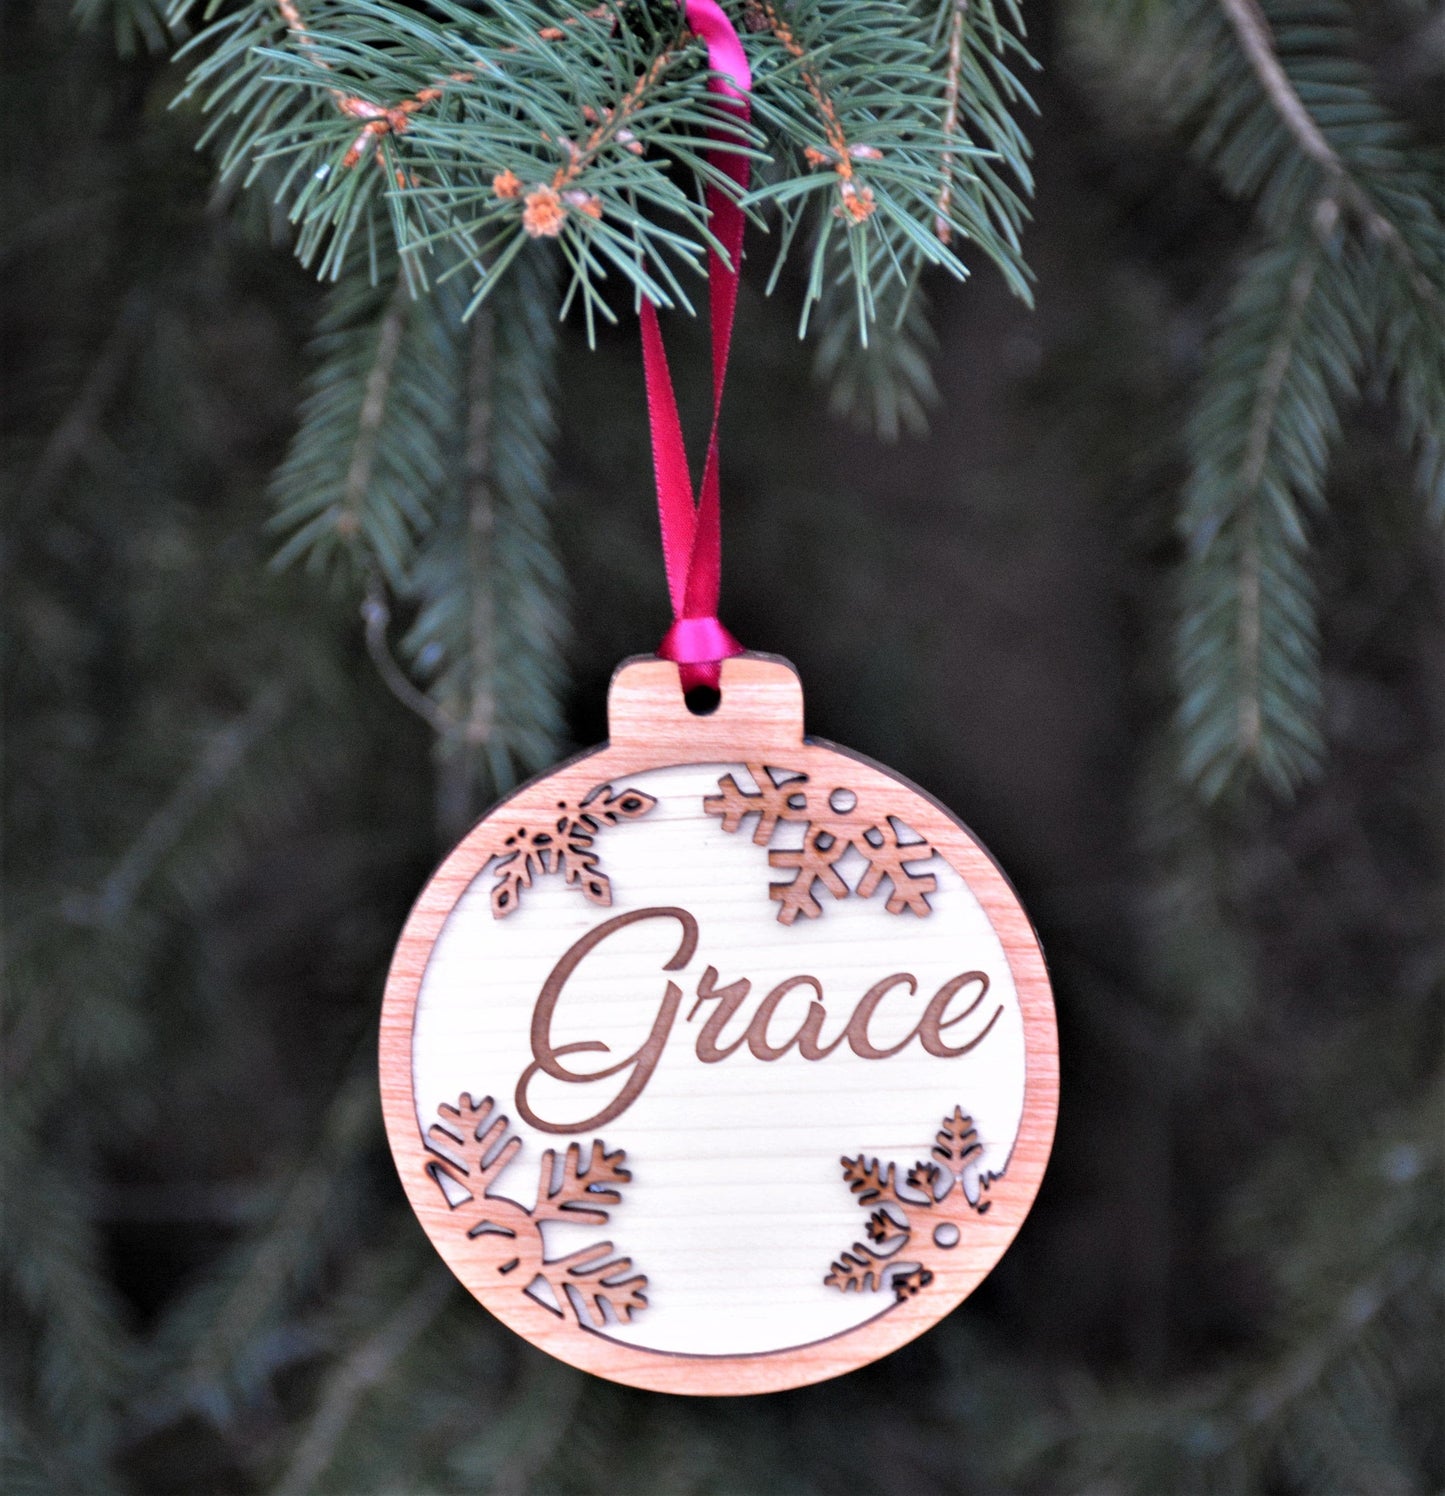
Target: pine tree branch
{"type": "Point", "coordinates": [1256, 40]}
{"type": "Point", "coordinates": [216, 1338]}
{"type": "Point", "coordinates": [424, 443]}
{"type": "Point", "coordinates": [1277, 102]}
{"type": "Point", "coordinates": [613, 126]}
{"type": "Point", "coordinates": [1299, 1374]}
{"type": "Point", "coordinates": [112, 901]}
{"type": "Point", "coordinates": [958, 19]}
{"type": "Point", "coordinates": [361, 479]}
{"type": "Point", "coordinates": [367, 1366]}
{"type": "Point", "coordinates": [487, 580]}
{"type": "Point", "coordinates": [491, 97]}
{"type": "Point", "coordinates": [132, 22]}
{"type": "Point", "coordinates": [55, 1284]}
{"type": "Point", "coordinates": [357, 481]}
{"type": "Point", "coordinates": [1352, 1337]}
{"type": "Point", "coordinates": [1284, 361]}
{"type": "Point", "coordinates": [78, 426]}
{"type": "Point", "coordinates": [376, 617]}
{"type": "Point", "coordinates": [882, 383]}
{"type": "Point", "coordinates": [30, 1466]}
{"type": "Point", "coordinates": [380, 119]}
{"type": "Point", "coordinates": [1261, 433]}
{"type": "Point", "coordinates": [857, 203]}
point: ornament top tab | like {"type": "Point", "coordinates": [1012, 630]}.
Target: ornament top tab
{"type": "Point", "coordinates": [719, 1060]}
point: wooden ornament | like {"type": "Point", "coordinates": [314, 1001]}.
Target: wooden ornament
{"type": "Point", "coordinates": [719, 1059]}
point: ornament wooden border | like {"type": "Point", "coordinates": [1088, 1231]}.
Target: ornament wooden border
{"type": "Point", "coordinates": [760, 714]}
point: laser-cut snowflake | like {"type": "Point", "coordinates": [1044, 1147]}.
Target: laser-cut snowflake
{"type": "Point", "coordinates": [470, 1146]}
{"type": "Point", "coordinates": [562, 843]}
{"type": "Point", "coordinates": [916, 1224]}
{"type": "Point", "coordinates": [835, 822]}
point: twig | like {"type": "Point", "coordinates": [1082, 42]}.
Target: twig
{"type": "Point", "coordinates": [1254, 34]}
{"type": "Point", "coordinates": [855, 202]}
{"type": "Point", "coordinates": [375, 611]}
{"type": "Point", "coordinates": [1252, 29]}
{"type": "Point", "coordinates": [381, 119]}
{"type": "Point", "coordinates": [942, 225]}
{"type": "Point", "coordinates": [611, 125]}
{"type": "Point", "coordinates": [545, 205]}
{"type": "Point", "coordinates": [377, 615]}
{"type": "Point", "coordinates": [481, 528]}
{"type": "Point", "coordinates": [357, 1373]}
{"type": "Point", "coordinates": [373, 411]}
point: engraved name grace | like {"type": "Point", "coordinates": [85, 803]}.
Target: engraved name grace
{"type": "Point", "coordinates": [731, 1028]}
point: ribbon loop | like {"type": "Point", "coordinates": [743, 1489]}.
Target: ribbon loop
{"type": "Point", "coordinates": [692, 528]}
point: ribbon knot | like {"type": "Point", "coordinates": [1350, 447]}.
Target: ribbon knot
{"type": "Point", "coordinates": [692, 527]}
{"type": "Point", "coordinates": [698, 641]}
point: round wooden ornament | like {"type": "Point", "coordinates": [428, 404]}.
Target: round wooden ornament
{"type": "Point", "coordinates": [719, 1059]}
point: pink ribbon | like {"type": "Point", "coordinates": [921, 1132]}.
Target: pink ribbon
{"type": "Point", "coordinates": [692, 529]}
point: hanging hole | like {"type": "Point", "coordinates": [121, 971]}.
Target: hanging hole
{"type": "Point", "coordinates": [946, 1235]}
{"type": "Point", "coordinates": [703, 701]}
{"type": "Point", "coordinates": [842, 801]}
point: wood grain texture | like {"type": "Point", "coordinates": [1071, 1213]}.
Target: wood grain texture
{"type": "Point", "coordinates": [759, 720]}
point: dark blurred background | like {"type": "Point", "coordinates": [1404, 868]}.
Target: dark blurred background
{"type": "Point", "coordinates": [217, 816]}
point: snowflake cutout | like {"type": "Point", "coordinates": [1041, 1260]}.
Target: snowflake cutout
{"type": "Point", "coordinates": [835, 822]}
{"type": "Point", "coordinates": [912, 1225]}
{"type": "Point", "coordinates": [563, 844]}
{"type": "Point", "coordinates": [470, 1147]}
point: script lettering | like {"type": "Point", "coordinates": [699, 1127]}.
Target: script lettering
{"type": "Point", "coordinates": [711, 1046]}
{"type": "Point", "coordinates": [642, 1062]}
